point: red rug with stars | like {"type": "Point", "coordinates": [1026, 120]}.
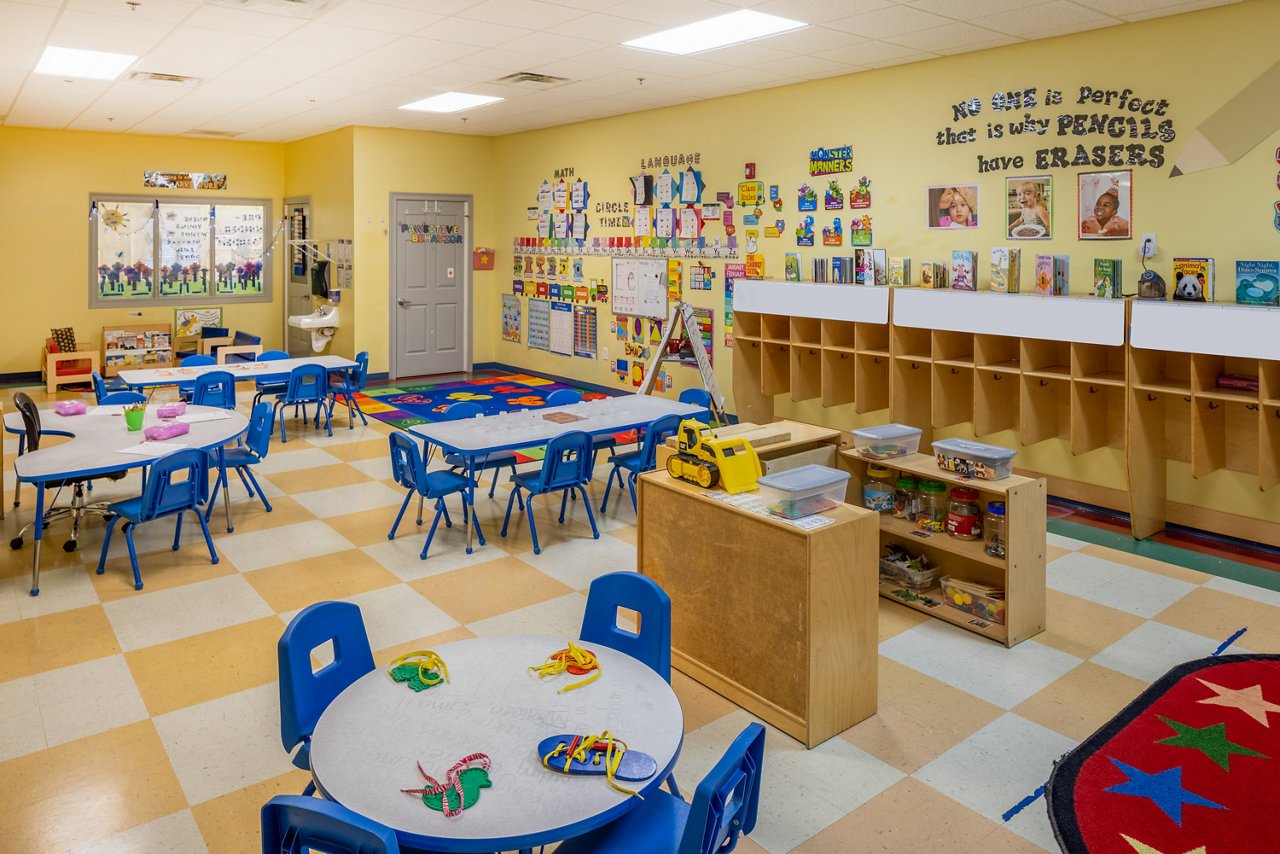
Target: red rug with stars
{"type": "Point", "coordinates": [1192, 766]}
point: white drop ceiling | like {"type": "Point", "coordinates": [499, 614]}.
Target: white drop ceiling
{"type": "Point", "coordinates": [280, 70]}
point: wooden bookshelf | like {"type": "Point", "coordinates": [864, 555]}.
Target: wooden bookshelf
{"type": "Point", "coordinates": [145, 345]}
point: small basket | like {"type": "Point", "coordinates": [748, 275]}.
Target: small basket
{"type": "Point", "coordinates": [973, 598]}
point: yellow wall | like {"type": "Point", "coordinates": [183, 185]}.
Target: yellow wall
{"type": "Point", "coordinates": [45, 180]}
{"type": "Point", "coordinates": [890, 117]}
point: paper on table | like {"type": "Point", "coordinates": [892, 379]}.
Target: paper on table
{"type": "Point", "coordinates": [197, 417]}
{"type": "Point", "coordinates": [152, 449]}
{"type": "Point", "coordinates": [106, 410]}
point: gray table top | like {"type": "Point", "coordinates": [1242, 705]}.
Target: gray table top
{"type": "Point", "coordinates": [366, 744]}
{"type": "Point", "coordinates": [98, 439]}
{"type": "Point", "coordinates": [143, 377]}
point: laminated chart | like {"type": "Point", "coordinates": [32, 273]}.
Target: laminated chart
{"type": "Point", "coordinates": [539, 324]}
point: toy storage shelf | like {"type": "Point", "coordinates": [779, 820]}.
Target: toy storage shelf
{"type": "Point", "coordinates": [1205, 390]}
{"type": "Point", "coordinates": [150, 346]}
{"type": "Point", "coordinates": [1021, 572]}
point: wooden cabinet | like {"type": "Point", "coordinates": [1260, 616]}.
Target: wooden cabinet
{"type": "Point", "coordinates": [781, 620]}
{"type": "Point", "coordinates": [1021, 572]}
{"type": "Point", "coordinates": [146, 345]}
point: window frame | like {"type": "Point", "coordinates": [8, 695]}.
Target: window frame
{"type": "Point", "coordinates": [96, 300]}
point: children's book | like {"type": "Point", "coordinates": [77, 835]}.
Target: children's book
{"type": "Point", "coordinates": [1107, 278]}
{"type": "Point", "coordinates": [899, 271]}
{"type": "Point", "coordinates": [1005, 263]}
{"type": "Point", "coordinates": [820, 270]}
{"type": "Point", "coordinates": [1044, 275]}
{"type": "Point", "coordinates": [838, 271]}
{"type": "Point", "coordinates": [964, 270]}
{"type": "Point", "coordinates": [926, 275]}
{"type": "Point", "coordinates": [863, 271]}
{"type": "Point", "coordinates": [1061, 278]}
{"type": "Point", "coordinates": [880, 262]}
{"type": "Point", "coordinates": [792, 267]}
{"type": "Point", "coordinates": [1258, 282]}
{"type": "Point", "coordinates": [1193, 279]}
{"type": "Point", "coordinates": [941, 275]}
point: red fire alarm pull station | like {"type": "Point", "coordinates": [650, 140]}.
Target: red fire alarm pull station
{"type": "Point", "coordinates": [749, 171]}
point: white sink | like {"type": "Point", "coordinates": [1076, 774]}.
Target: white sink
{"type": "Point", "coordinates": [325, 317]}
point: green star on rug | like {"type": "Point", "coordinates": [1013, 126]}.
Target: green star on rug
{"type": "Point", "coordinates": [1211, 741]}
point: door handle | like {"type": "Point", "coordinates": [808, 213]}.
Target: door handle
{"type": "Point", "coordinates": [403, 303]}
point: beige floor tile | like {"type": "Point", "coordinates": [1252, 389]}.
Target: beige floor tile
{"type": "Point", "coordinates": [365, 450]}
{"type": "Point", "coordinates": [1215, 614]}
{"type": "Point", "coordinates": [319, 477]}
{"type": "Point", "coordinates": [17, 564]}
{"type": "Point", "coordinates": [896, 618]}
{"type": "Point", "coordinates": [383, 657]}
{"type": "Point", "coordinates": [1081, 701]}
{"type": "Point", "coordinates": [1002, 841]}
{"type": "Point", "coordinates": [181, 673]}
{"type": "Point", "coordinates": [896, 680]}
{"type": "Point", "coordinates": [488, 589]}
{"type": "Point", "coordinates": [230, 824]}
{"type": "Point", "coordinates": [627, 533]}
{"type": "Point", "coordinates": [1169, 570]}
{"type": "Point", "coordinates": [55, 640]}
{"type": "Point", "coordinates": [295, 585]}
{"type": "Point", "coordinates": [921, 723]}
{"type": "Point", "coordinates": [87, 789]}
{"type": "Point", "coordinates": [160, 570]}
{"type": "Point", "coordinates": [369, 527]}
{"type": "Point", "coordinates": [550, 532]}
{"type": "Point", "coordinates": [248, 515]}
{"type": "Point", "coordinates": [1053, 552]}
{"type": "Point", "coordinates": [1083, 628]}
{"type": "Point", "coordinates": [701, 705]}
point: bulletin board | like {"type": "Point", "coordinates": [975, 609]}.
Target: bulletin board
{"type": "Point", "coordinates": [560, 328]}
{"type": "Point", "coordinates": [640, 287]}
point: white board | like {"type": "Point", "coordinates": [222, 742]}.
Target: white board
{"type": "Point", "coordinates": [1250, 332]}
{"type": "Point", "coordinates": [1086, 320]}
{"type": "Point", "coordinates": [561, 331]}
{"type": "Point", "coordinates": [832, 302]}
{"type": "Point", "coordinates": [639, 287]}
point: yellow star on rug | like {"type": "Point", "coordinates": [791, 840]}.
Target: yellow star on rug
{"type": "Point", "coordinates": [1248, 700]}
{"type": "Point", "coordinates": [1143, 848]}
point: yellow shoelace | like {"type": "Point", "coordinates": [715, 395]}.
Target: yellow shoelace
{"type": "Point", "coordinates": [427, 661]}
{"type": "Point", "coordinates": [577, 751]}
{"type": "Point", "coordinates": [575, 658]}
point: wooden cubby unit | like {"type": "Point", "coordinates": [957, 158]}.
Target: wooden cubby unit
{"type": "Point", "coordinates": [1042, 358]}
{"type": "Point", "coordinates": [874, 338]}
{"type": "Point", "coordinates": [1021, 572]}
{"type": "Point", "coordinates": [806, 371]}
{"type": "Point", "coordinates": [841, 334]}
{"type": "Point", "coordinates": [911, 343]}
{"type": "Point", "coordinates": [1269, 446]}
{"type": "Point", "coordinates": [996, 397]}
{"type": "Point", "coordinates": [1044, 408]}
{"type": "Point", "coordinates": [746, 325]}
{"type": "Point", "coordinates": [911, 395]}
{"type": "Point", "coordinates": [806, 330]}
{"type": "Point", "coordinates": [775, 368]}
{"type": "Point", "coordinates": [1099, 364]}
{"type": "Point", "coordinates": [953, 348]}
{"type": "Point", "coordinates": [997, 352]}
{"type": "Point", "coordinates": [952, 394]}
{"type": "Point", "coordinates": [1270, 382]}
{"type": "Point", "coordinates": [839, 377]}
{"type": "Point", "coordinates": [871, 375]}
{"type": "Point", "coordinates": [1097, 416]}
{"type": "Point", "coordinates": [775, 327]}
{"type": "Point", "coordinates": [1160, 371]}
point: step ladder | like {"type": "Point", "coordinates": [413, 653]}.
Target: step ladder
{"type": "Point", "coordinates": [683, 312]}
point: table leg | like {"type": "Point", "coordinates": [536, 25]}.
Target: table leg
{"type": "Point", "coordinates": [470, 500]}
{"type": "Point", "coordinates": [39, 529]}
{"type": "Point", "coordinates": [226, 488]}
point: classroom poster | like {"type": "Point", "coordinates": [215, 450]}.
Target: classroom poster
{"type": "Point", "coordinates": [539, 324]}
{"type": "Point", "coordinates": [584, 331]}
{"type": "Point", "coordinates": [706, 320]}
{"type": "Point", "coordinates": [560, 328]}
{"type": "Point", "coordinates": [510, 318]}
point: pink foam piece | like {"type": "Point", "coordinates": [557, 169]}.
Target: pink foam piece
{"type": "Point", "coordinates": [171, 410]}
{"type": "Point", "coordinates": [160, 432]}
{"type": "Point", "coordinates": [70, 407]}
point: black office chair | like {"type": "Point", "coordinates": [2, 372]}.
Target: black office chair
{"type": "Point", "coordinates": [78, 507]}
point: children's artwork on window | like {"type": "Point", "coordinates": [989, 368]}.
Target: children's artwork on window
{"type": "Point", "coordinates": [126, 251]}
{"type": "Point", "coordinates": [510, 318]}
{"type": "Point", "coordinates": [239, 246]}
{"type": "Point", "coordinates": [1029, 207]}
{"type": "Point", "coordinates": [1105, 202]}
{"type": "Point", "coordinates": [953, 206]}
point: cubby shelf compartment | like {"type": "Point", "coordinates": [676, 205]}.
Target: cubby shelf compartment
{"type": "Point", "coordinates": [996, 399]}
{"type": "Point", "coordinates": [775, 327]}
{"type": "Point", "coordinates": [839, 377]}
{"type": "Point", "coordinates": [1044, 408]}
{"type": "Point", "coordinates": [746, 324]}
{"type": "Point", "coordinates": [871, 376]}
{"type": "Point", "coordinates": [952, 394]}
{"type": "Point", "coordinates": [775, 368]}
{"type": "Point", "coordinates": [1021, 572]}
{"type": "Point", "coordinates": [839, 333]}
{"type": "Point", "coordinates": [1099, 363]}
{"type": "Point", "coordinates": [806, 371]}
{"type": "Point", "coordinates": [806, 330]}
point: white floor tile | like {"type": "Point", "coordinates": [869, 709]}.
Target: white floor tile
{"type": "Point", "coordinates": [23, 730]}
{"type": "Point", "coordinates": [1152, 649]}
{"type": "Point", "coordinates": [1252, 592]}
{"type": "Point", "coordinates": [286, 460]}
{"type": "Point", "coordinates": [351, 499]}
{"type": "Point", "coordinates": [151, 618]}
{"type": "Point", "coordinates": [1032, 824]}
{"type": "Point", "coordinates": [1065, 542]}
{"type": "Point", "coordinates": [177, 833]}
{"type": "Point", "coordinates": [60, 590]}
{"type": "Point", "coordinates": [285, 544]}
{"type": "Point", "coordinates": [86, 699]}
{"type": "Point", "coordinates": [225, 744]}
{"type": "Point", "coordinates": [559, 616]}
{"type": "Point", "coordinates": [448, 551]}
{"type": "Point", "coordinates": [997, 766]}
{"type": "Point", "coordinates": [580, 561]}
{"type": "Point", "coordinates": [378, 468]}
{"type": "Point", "coordinates": [398, 614]}
{"type": "Point", "coordinates": [341, 435]}
{"type": "Point", "coordinates": [978, 666]}
{"type": "Point", "coordinates": [1134, 591]}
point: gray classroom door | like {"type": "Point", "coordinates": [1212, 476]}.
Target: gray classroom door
{"type": "Point", "coordinates": [430, 284]}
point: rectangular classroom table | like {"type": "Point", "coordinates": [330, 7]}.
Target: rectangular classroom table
{"type": "Point", "coordinates": [276, 370]}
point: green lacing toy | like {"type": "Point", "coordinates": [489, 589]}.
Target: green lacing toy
{"type": "Point", "coordinates": [422, 669]}
{"type": "Point", "coordinates": [461, 787]}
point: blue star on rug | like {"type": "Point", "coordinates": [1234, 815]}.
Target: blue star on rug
{"type": "Point", "coordinates": [1163, 788]}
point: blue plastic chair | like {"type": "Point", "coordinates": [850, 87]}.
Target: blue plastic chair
{"type": "Point", "coordinates": [120, 398]}
{"type": "Point", "coordinates": [266, 387]}
{"type": "Point", "coordinates": [305, 695]}
{"type": "Point", "coordinates": [639, 593]}
{"type": "Point", "coordinates": [307, 384]}
{"type": "Point", "coordinates": [216, 388]}
{"type": "Point", "coordinates": [724, 808]}
{"type": "Point", "coordinates": [163, 495]}
{"type": "Point", "coordinates": [411, 473]}
{"type": "Point", "coordinates": [568, 397]}
{"type": "Point", "coordinates": [698, 397]}
{"type": "Point", "coordinates": [642, 460]}
{"type": "Point", "coordinates": [292, 824]}
{"type": "Point", "coordinates": [242, 458]}
{"type": "Point", "coordinates": [485, 462]}
{"type": "Point", "coordinates": [185, 389]}
{"type": "Point", "coordinates": [101, 387]}
{"type": "Point", "coordinates": [565, 468]}
{"type": "Point", "coordinates": [345, 384]}
{"type": "Point", "coordinates": [206, 332]}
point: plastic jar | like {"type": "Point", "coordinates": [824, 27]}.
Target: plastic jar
{"type": "Point", "coordinates": [964, 514]}
{"type": "Point", "coordinates": [994, 527]}
{"type": "Point", "coordinates": [906, 494]}
{"type": "Point", "coordinates": [931, 512]}
{"type": "Point", "coordinates": [877, 492]}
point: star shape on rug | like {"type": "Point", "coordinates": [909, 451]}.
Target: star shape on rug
{"type": "Point", "coordinates": [1164, 788]}
{"type": "Point", "coordinates": [1248, 700]}
{"type": "Point", "coordinates": [1144, 848]}
{"type": "Point", "coordinates": [1211, 741]}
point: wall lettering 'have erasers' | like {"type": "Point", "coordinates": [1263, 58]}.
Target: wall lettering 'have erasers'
{"type": "Point", "coordinates": [1125, 116]}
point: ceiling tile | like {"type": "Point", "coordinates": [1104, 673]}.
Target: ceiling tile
{"type": "Point", "coordinates": [808, 67]}
{"type": "Point", "coordinates": [19, 59]}
{"type": "Point", "coordinates": [168, 58]}
{"type": "Point", "coordinates": [318, 33]}
{"type": "Point", "coordinates": [610, 29]}
{"type": "Point", "coordinates": [243, 21]}
{"type": "Point", "coordinates": [745, 55]}
{"type": "Point", "coordinates": [820, 11]}
{"type": "Point", "coordinates": [331, 54]}
{"type": "Point", "coordinates": [952, 38]}
{"type": "Point", "coordinates": [901, 59]}
{"type": "Point", "coordinates": [1175, 10]}
{"type": "Point", "coordinates": [972, 8]}
{"type": "Point", "coordinates": [379, 16]}
{"type": "Point", "coordinates": [505, 11]}
{"type": "Point", "coordinates": [813, 39]}
{"type": "Point", "coordinates": [589, 5]}
{"type": "Point", "coordinates": [889, 22]}
{"type": "Point", "coordinates": [1034, 21]}
{"type": "Point", "coordinates": [664, 14]}
{"type": "Point", "coordinates": [26, 16]}
{"type": "Point", "coordinates": [550, 46]}
{"type": "Point", "coordinates": [869, 53]}
{"type": "Point", "coordinates": [438, 7]}
{"type": "Point", "coordinates": [463, 31]}
{"type": "Point", "coordinates": [214, 39]}
{"type": "Point", "coordinates": [155, 11]}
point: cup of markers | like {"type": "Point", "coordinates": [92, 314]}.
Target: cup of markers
{"type": "Point", "coordinates": [133, 415]}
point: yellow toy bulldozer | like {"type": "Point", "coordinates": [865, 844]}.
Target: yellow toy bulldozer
{"type": "Point", "coordinates": [707, 461]}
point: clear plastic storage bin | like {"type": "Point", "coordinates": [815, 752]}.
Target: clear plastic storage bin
{"type": "Point", "coordinates": [974, 459]}
{"type": "Point", "coordinates": [803, 491]}
{"type": "Point", "coordinates": [886, 441]}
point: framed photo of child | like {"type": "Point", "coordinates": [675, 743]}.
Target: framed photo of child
{"type": "Point", "coordinates": [1106, 205]}
{"type": "Point", "coordinates": [953, 206]}
{"type": "Point", "coordinates": [1029, 207]}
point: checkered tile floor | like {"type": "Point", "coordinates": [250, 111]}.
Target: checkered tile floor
{"type": "Point", "coordinates": [148, 720]}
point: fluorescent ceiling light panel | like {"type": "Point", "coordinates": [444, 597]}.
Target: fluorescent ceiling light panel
{"type": "Point", "coordinates": [94, 64]}
{"type": "Point", "coordinates": [721, 31]}
{"type": "Point", "coordinates": [450, 102]}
